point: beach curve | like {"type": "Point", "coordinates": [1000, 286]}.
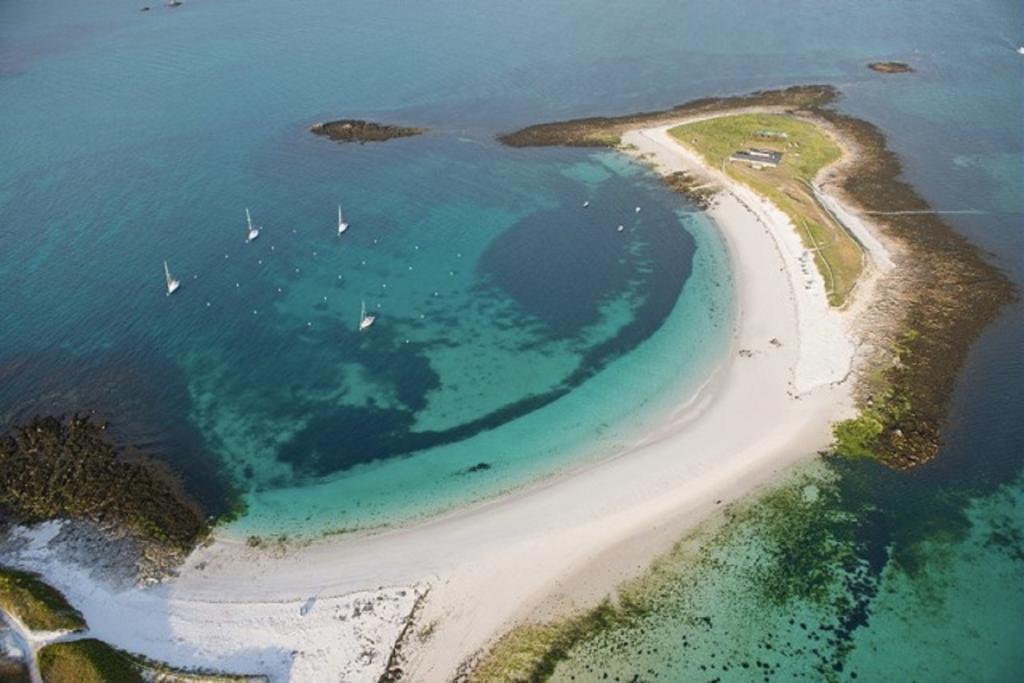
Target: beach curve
{"type": "Point", "coordinates": [772, 401]}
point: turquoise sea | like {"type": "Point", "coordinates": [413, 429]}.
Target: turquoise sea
{"type": "Point", "coordinates": [518, 333]}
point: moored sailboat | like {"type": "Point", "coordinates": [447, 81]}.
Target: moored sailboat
{"type": "Point", "coordinates": [172, 284]}
{"type": "Point", "coordinates": [342, 225]}
{"type": "Point", "coordinates": [365, 319]}
{"type": "Point", "coordinates": [254, 232]}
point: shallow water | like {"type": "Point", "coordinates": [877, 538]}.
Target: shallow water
{"type": "Point", "coordinates": [845, 573]}
{"type": "Point", "coordinates": [130, 138]}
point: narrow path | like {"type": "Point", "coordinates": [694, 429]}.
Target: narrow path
{"type": "Point", "coordinates": [31, 642]}
{"type": "Point", "coordinates": [848, 219]}
{"type": "Point", "coordinates": [24, 639]}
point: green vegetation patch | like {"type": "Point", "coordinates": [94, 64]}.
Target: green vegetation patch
{"type": "Point", "coordinates": [805, 147]}
{"type": "Point", "coordinates": [533, 651]}
{"type": "Point", "coordinates": [51, 468]}
{"type": "Point", "coordinates": [888, 423]}
{"type": "Point", "coordinates": [35, 604]}
{"type": "Point", "coordinates": [86, 661]}
{"type": "Point", "coordinates": [805, 150]}
{"type": "Point", "coordinates": [94, 661]}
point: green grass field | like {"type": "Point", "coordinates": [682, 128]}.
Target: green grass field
{"type": "Point", "coordinates": [86, 661]}
{"type": "Point", "coordinates": [806, 150]}
{"type": "Point", "coordinates": [93, 661]}
{"type": "Point", "coordinates": [38, 606]}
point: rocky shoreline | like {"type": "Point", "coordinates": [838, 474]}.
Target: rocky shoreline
{"type": "Point", "coordinates": [944, 296]}
{"type": "Point", "coordinates": [133, 514]}
{"type": "Point", "coordinates": [606, 131]}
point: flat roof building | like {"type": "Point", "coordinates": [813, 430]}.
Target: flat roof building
{"type": "Point", "coordinates": [757, 157]}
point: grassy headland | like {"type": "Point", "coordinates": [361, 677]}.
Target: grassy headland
{"type": "Point", "coordinates": [806, 150]}
{"type": "Point", "coordinates": [35, 604]}
{"type": "Point", "coordinates": [943, 294]}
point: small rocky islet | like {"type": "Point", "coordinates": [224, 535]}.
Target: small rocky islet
{"type": "Point", "coordinates": [356, 130]}
{"type": "Point", "coordinates": [890, 67]}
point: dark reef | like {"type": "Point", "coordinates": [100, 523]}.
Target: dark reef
{"type": "Point", "coordinates": [354, 130]}
{"type": "Point", "coordinates": [54, 468]}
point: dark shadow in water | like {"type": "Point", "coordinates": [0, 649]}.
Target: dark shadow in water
{"type": "Point", "coordinates": [538, 264]}
{"type": "Point", "coordinates": [566, 293]}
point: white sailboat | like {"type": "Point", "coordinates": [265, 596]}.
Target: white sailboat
{"type": "Point", "coordinates": [342, 225]}
{"type": "Point", "coordinates": [172, 284]}
{"type": "Point", "coordinates": [365, 319]}
{"type": "Point", "coordinates": [254, 232]}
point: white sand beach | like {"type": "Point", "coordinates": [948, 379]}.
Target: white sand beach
{"type": "Point", "coordinates": [301, 614]}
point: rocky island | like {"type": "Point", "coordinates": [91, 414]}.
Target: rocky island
{"type": "Point", "coordinates": [890, 67]}
{"type": "Point", "coordinates": [355, 130]}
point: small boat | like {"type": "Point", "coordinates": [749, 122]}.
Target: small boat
{"type": "Point", "coordinates": [365, 319]}
{"type": "Point", "coordinates": [1020, 50]}
{"type": "Point", "coordinates": [342, 225]}
{"type": "Point", "coordinates": [172, 284]}
{"type": "Point", "coordinates": [620, 228]}
{"type": "Point", "coordinates": [586, 204]}
{"type": "Point", "coordinates": [254, 232]}
{"type": "Point", "coordinates": [638, 209]}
